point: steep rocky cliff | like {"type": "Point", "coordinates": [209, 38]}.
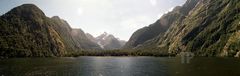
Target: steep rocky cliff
{"type": "Point", "coordinates": [204, 27]}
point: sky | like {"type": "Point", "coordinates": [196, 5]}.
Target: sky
{"type": "Point", "coordinates": [118, 17]}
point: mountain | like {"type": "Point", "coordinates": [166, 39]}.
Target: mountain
{"type": "Point", "coordinates": [27, 31]}
{"type": "Point", "coordinates": [84, 42]}
{"type": "Point", "coordinates": [107, 41]}
{"type": "Point", "coordinates": [159, 28]}
{"type": "Point", "coordinates": [122, 42]}
{"type": "Point", "coordinates": [90, 37]}
{"type": "Point", "coordinates": [204, 27]}
{"type": "Point", "coordinates": [74, 38]}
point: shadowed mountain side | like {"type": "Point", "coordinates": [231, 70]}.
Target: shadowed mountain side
{"type": "Point", "coordinates": [26, 31]}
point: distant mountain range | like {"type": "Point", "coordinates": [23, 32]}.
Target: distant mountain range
{"type": "Point", "coordinates": [107, 41]}
{"type": "Point", "coordinates": [204, 27]}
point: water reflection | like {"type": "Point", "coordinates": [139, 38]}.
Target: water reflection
{"type": "Point", "coordinates": [119, 66]}
{"type": "Point", "coordinates": [186, 57]}
{"type": "Point", "coordinates": [122, 66]}
{"type": "Point", "coordinates": [203, 66]}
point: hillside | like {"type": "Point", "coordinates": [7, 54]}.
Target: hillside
{"type": "Point", "coordinates": [26, 31]}
{"type": "Point", "coordinates": [158, 29]}
{"type": "Point", "coordinates": [204, 27]}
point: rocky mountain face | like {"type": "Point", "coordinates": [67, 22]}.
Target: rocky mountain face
{"type": "Point", "coordinates": [85, 43]}
{"type": "Point", "coordinates": [74, 38]}
{"type": "Point", "coordinates": [204, 27]}
{"type": "Point", "coordinates": [107, 41]}
{"type": "Point", "coordinates": [90, 37]}
{"type": "Point", "coordinates": [27, 31]}
{"type": "Point", "coordinates": [158, 29]}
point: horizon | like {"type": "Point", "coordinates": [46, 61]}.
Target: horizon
{"type": "Point", "coordinates": [119, 18]}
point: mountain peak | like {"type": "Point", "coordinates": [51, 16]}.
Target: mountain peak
{"type": "Point", "coordinates": [78, 31]}
{"type": "Point", "coordinates": [27, 11]}
{"type": "Point", "coordinates": [56, 17]}
{"type": "Point", "coordinates": [105, 33]}
{"type": "Point", "coordinates": [28, 5]}
{"type": "Point", "coordinates": [103, 36]}
{"type": "Point", "coordinates": [107, 41]}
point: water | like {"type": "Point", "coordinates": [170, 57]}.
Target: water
{"type": "Point", "coordinates": [119, 66]}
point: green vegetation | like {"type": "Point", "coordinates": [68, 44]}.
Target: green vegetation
{"type": "Point", "coordinates": [118, 53]}
{"type": "Point", "coordinates": [27, 32]}
{"type": "Point", "coordinates": [208, 33]}
{"type": "Point", "coordinates": [205, 27]}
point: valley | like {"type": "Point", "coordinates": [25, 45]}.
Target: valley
{"type": "Point", "coordinates": [206, 28]}
{"type": "Point", "coordinates": [120, 38]}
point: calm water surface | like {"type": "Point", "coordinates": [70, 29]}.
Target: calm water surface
{"type": "Point", "coordinates": [119, 66]}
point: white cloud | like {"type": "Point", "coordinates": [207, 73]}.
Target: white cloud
{"type": "Point", "coordinates": [136, 22]}
{"type": "Point", "coordinates": [128, 25]}
{"type": "Point", "coordinates": [80, 11]}
{"type": "Point", "coordinates": [153, 2]}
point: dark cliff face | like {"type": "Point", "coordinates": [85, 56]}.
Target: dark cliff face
{"type": "Point", "coordinates": [26, 31]}
{"type": "Point", "coordinates": [204, 27]}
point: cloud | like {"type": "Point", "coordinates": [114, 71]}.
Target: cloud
{"type": "Point", "coordinates": [128, 25]}
{"type": "Point", "coordinates": [136, 22]}
{"type": "Point", "coordinates": [79, 11]}
{"type": "Point", "coordinates": [153, 2]}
